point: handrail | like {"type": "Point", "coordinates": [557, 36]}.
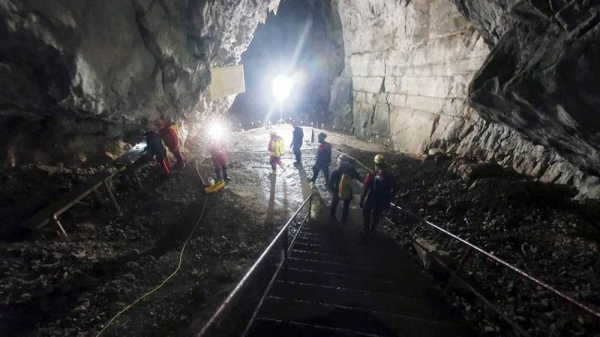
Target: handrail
{"type": "Point", "coordinates": [507, 265]}
{"type": "Point", "coordinates": [244, 280]}
{"type": "Point", "coordinates": [518, 271]}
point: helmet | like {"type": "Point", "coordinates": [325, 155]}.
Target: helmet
{"type": "Point", "coordinates": [159, 123]}
{"type": "Point", "coordinates": [379, 159]}
{"type": "Point", "coordinates": [343, 158]}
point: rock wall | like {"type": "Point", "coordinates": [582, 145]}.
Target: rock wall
{"type": "Point", "coordinates": [78, 75]}
{"type": "Point", "coordinates": [473, 78]}
{"type": "Point", "coordinates": [410, 64]}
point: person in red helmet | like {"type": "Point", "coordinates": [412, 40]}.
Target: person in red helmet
{"type": "Point", "coordinates": [171, 140]}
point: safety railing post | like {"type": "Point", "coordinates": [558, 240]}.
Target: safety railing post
{"type": "Point", "coordinates": [309, 206]}
{"type": "Point", "coordinates": [462, 262]}
{"type": "Point", "coordinates": [60, 227]}
{"type": "Point", "coordinates": [112, 196]}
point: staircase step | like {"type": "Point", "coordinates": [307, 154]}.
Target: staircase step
{"type": "Point", "coordinates": [359, 320]}
{"type": "Point", "coordinates": [405, 306]}
{"type": "Point", "coordinates": [272, 327]}
{"type": "Point", "coordinates": [372, 270]}
{"type": "Point", "coordinates": [356, 282]}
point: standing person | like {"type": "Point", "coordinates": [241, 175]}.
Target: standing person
{"type": "Point", "coordinates": [171, 140]}
{"type": "Point", "coordinates": [276, 150]}
{"type": "Point", "coordinates": [341, 186]}
{"type": "Point", "coordinates": [323, 160]}
{"type": "Point", "coordinates": [219, 158]}
{"type": "Point", "coordinates": [297, 142]}
{"type": "Point", "coordinates": [155, 146]}
{"type": "Point", "coordinates": [378, 190]}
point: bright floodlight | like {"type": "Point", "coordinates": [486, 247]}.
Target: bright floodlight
{"type": "Point", "coordinates": [282, 85]}
{"type": "Point", "coordinates": [216, 131]}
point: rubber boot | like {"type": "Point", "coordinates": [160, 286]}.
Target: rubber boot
{"type": "Point", "coordinates": [225, 176]}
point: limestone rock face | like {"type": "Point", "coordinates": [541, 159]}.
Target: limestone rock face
{"type": "Point", "coordinates": [410, 64]}
{"type": "Point", "coordinates": [498, 80]}
{"type": "Point", "coordinates": [541, 78]}
{"type": "Point", "coordinates": [72, 70]}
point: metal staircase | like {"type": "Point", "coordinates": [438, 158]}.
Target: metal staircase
{"type": "Point", "coordinates": [336, 282]}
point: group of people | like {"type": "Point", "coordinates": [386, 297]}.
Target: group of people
{"type": "Point", "coordinates": [167, 137]}
{"type": "Point", "coordinates": [379, 186]}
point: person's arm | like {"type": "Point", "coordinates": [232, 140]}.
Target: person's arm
{"type": "Point", "coordinates": [174, 137]}
{"type": "Point", "coordinates": [333, 180]}
{"type": "Point", "coordinates": [365, 191]}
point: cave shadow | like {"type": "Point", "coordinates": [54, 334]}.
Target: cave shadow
{"type": "Point", "coordinates": [271, 206]}
{"type": "Point", "coordinates": [306, 191]}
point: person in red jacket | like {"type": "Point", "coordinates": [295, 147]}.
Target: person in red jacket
{"type": "Point", "coordinates": [219, 158]}
{"type": "Point", "coordinates": [171, 140]}
{"type": "Point", "coordinates": [379, 189]}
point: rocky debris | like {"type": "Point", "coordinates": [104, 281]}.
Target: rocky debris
{"type": "Point", "coordinates": [535, 226]}
{"type": "Point", "coordinates": [470, 171]}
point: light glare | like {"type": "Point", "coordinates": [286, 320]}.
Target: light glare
{"type": "Point", "coordinates": [216, 131]}
{"type": "Point", "coordinates": [282, 86]}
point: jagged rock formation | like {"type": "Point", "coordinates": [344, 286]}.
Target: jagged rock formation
{"type": "Point", "coordinates": [420, 75]}
{"type": "Point", "coordinates": [77, 76]}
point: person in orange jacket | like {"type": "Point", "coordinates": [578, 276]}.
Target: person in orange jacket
{"type": "Point", "coordinates": [171, 140]}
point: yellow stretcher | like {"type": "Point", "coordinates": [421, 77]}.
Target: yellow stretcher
{"type": "Point", "coordinates": [214, 188]}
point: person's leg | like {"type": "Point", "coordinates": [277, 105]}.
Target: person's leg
{"type": "Point", "coordinates": [225, 176]}
{"type": "Point", "coordinates": [298, 155]}
{"type": "Point", "coordinates": [179, 157]}
{"type": "Point", "coordinates": [273, 162]}
{"type": "Point", "coordinates": [326, 173]}
{"type": "Point", "coordinates": [366, 220]}
{"type": "Point", "coordinates": [217, 172]}
{"type": "Point", "coordinates": [377, 214]}
{"type": "Point", "coordinates": [316, 170]}
{"type": "Point", "coordinates": [280, 163]}
{"type": "Point", "coordinates": [334, 203]}
{"type": "Point", "coordinates": [164, 164]}
{"type": "Point", "coordinates": [346, 210]}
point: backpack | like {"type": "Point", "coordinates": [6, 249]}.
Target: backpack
{"type": "Point", "coordinates": [345, 187]}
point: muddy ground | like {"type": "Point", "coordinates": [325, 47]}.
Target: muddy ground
{"type": "Point", "coordinates": [53, 288]}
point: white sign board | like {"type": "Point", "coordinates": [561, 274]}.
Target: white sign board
{"type": "Point", "coordinates": [226, 81]}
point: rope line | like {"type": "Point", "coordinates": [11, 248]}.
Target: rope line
{"type": "Point", "coordinates": [170, 276]}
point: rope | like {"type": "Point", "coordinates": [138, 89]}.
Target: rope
{"type": "Point", "coordinates": [170, 276]}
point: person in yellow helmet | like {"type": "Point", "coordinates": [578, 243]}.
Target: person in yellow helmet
{"type": "Point", "coordinates": [276, 150]}
{"type": "Point", "coordinates": [378, 190]}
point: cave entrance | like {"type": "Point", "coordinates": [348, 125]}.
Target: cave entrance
{"type": "Point", "coordinates": [303, 42]}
